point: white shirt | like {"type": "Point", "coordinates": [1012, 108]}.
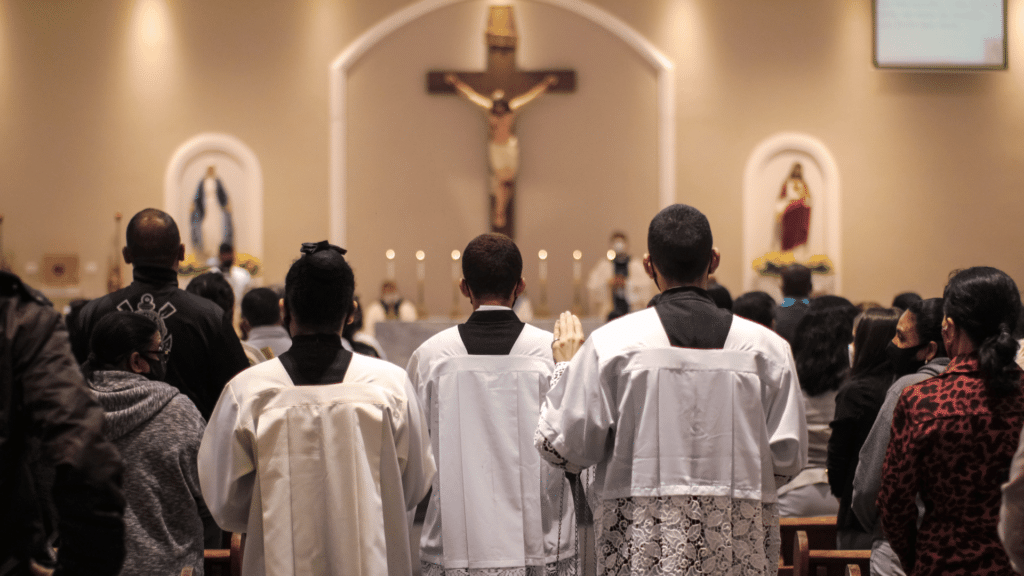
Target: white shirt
{"type": "Point", "coordinates": [639, 287]}
{"type": "Point", "coordinates": [320, 477]}
{"type": "Point", "coordinates": [273, 336]}
{"type": "Point", "coordinates": [374, 313]}
{"type": "Point", "coordinates": [495, 503]}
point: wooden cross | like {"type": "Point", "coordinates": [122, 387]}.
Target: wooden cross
{"type": "Point", "coordinates": [501, 74]}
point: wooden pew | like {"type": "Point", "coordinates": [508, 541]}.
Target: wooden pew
{"type": "Point", "coordinates": [186, 571]}
{"type": "Point", "coordinates": [808, 562]}
{"type": "Point", "coordinates": [821, 534]}
{"type": "Point", "coordinates": [225, 562]}
{"type": "Point", "coordinates": [852, 570]}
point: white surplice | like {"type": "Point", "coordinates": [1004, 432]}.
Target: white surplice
{"type": "Point", "coordinates": [320, 477]}
{"type": "Point", "coordinates": [687, 444]}
{"type": "Point", "coordinates": [495, 503]}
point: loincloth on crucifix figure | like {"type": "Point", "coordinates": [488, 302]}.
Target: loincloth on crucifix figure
{"type": "Point", "coordinates": [509, 90]}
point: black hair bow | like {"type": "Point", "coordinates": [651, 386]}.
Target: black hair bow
{"type": "Point", "coordinates": [311, 248]}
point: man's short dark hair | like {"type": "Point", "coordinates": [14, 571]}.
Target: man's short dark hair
{"type": "Point", "coordinates": [260, 307]}
{"type": "Point", "coordinates": [225, 248]}
{"type": "Point", "coordinates": [720, 294]}
{"type": "Point", "coordinates": [318, 290]}
{"type": "Point", "coordinates": [214, 287]}
{"type": "Point", "coordinates": [796, 280]}
{"type": "Point", "coordinates": [757, 306]}
{"type": "Point", "coordinates": [492, 266]}
{"type": "Point", "coordinates": [152, 237]}
{"type": "Point", "coordinates": [680, 243]}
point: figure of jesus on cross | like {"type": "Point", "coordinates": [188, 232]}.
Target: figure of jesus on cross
{"type": "Point", "coordinates": [503, 146]}
{"type": "Point", "coordinates": [510, 89]}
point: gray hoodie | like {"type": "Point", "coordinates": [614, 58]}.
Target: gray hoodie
{"type": "Point", "coordinates": [867, 481]}
{"type": "Point", "coordinates": [157, 430]}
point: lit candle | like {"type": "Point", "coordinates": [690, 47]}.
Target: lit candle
{"type": "Point", "coordinates": [456, 269]}
{"type": "Point", "coordinates": [577, 266]}
{"type": "Point", "coordinates": [456, 276]}
{"type": "Point", "coordinates": [542, 270]}
{"type": "Point", "coordinates": [421, 267]}
{"type": "Point", "coordinates": [390, 255]}
{"type": "Point", "coordinates": [611, 254]}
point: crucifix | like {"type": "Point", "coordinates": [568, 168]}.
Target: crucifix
{"type": "Point", "coordinates": [509, 90]}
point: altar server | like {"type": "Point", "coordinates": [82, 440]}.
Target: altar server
{"type": "Point", "coordinates": [496, 506]}
{"type": "Point", "coordinates": [318, 455]}
{"type": "Point", "coordinates": [690, 415]}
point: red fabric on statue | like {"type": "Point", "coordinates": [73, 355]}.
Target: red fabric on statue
{"type": "Point", "coordinates": [796, 221]}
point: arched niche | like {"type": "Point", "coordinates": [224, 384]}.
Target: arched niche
{"type": "Point", "coordinates": [242, 177]}
{"type": "Point", "coordinates": [767, 168]}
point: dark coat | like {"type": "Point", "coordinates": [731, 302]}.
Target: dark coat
{"type": "Point", "coordinates": [43, 399]}
{"type": "Point", "coordinates": [205, 351]}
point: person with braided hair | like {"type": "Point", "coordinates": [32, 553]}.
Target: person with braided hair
{"type": "Point", "coordinates": [953, 436]}
{"type": "Point", "coordinates": [319, 455]}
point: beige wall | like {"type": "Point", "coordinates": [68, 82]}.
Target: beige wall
{"type": "Point", "coordinates": [96, 96]}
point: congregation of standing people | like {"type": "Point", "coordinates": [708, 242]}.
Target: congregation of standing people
{"type": "Point", "coordinates": [670, 440]}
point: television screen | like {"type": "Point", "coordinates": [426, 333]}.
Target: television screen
{"type": "Point", "coordinates": [940, 34]}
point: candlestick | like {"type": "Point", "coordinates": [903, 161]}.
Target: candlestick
{"type": "Point", "coordinates": [542, 272]}
{"type": "Point", "coordinates": [421, 276]}
{"type": "Point", "coordinates": [390, 255]}
{"type": "Point", "coordinates": [454, 313]}
{"type": "Point", "coordinates": [421, 266]}
{"type": "Point", "coordinates": [577, 283]}
{"type": "Point", "coordinates": [456, 268]}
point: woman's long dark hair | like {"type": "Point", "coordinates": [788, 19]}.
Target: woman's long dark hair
{"type": "Point", "coordinates": [115, 337]}
{"type": "Point", "coordinates": [820, 344]}
{"type": "Point", "coordinates": [984, 302]}
{"type": "Point", "coordinates": [875, 329]}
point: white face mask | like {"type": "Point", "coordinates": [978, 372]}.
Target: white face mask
{"type": "Point", "coordinates": [619, 246]}
{"type": "Point", "coordinates": [391, 298]}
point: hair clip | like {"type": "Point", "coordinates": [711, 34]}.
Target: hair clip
{"type": "Point", "coordinates": [310, 248]}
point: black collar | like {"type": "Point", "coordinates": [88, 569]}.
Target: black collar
{"type": "Point", "coordinates": [316, 359]}
{"type": "Point", "coordinates": [691, 319]}
{"type": "Point", "coordinates": [492, 317]}
{"type": "Point", "coordinates": [491, 332]}
{"type": "Point", "coordinates": [154, 275]}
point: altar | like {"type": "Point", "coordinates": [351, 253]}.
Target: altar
{"type": "Point", "coordinates": [400, 339]}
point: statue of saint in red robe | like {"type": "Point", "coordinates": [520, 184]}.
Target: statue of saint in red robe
{"type": "Point", "coordinates": [793, 210]}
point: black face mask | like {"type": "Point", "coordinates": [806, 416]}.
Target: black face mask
{"type": "Point", "coordinates": [903, 359]}
{"type": "Point", "coordinates": [157, 368]}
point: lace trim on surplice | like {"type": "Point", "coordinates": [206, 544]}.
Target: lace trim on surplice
{"type": "Point", "coordinates": [693, 535]}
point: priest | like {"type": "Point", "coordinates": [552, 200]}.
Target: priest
{"type": "Point", "coordinates": [690, 414]}
{"type": "Point", "coordinates": [495, 506]}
